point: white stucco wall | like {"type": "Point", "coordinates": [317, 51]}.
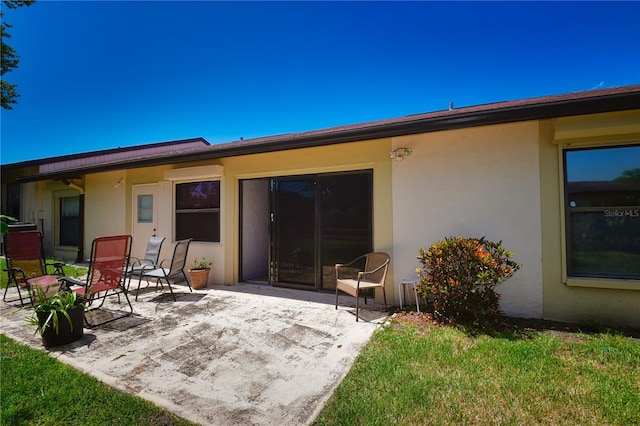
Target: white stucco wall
{"type": "Point", "coordinates": [474, 182]}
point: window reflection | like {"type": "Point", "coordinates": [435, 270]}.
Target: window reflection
{"type": "Point", "coordinates": [602, 199]}
{"type": "Point", "coordinates": [198, 211]}
{"type": "Point", "coordinates": [69, 221]}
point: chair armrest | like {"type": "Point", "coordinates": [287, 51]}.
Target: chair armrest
{"type": "Point", "coordinates": [374, 270]}
{"type": "Point", "coordinates": [146, 268]}
{"type": "Point", "coordinates": [16, 270]}
{"type": "Point", "coordinates": [344, 265]}
{"type": "Point", "coordinates": [67, 282]}
{"type": "Point", "coordinates": [57, 268]}
{"type": "Point", "coordinates": [135, 261]}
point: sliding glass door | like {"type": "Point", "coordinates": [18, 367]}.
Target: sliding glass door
{"type": "Point", "coordinates": [316, 222]}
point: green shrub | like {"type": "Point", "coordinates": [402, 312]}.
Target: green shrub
{"type": "Point", "coordinates": [459, 275]}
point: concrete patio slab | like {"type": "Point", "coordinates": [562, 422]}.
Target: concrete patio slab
{"type": "Point", "coordinates": [246, 354]}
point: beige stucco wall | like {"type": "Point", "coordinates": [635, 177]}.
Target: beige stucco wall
{"type": "Point", "coordinates": [105, 206]}
{"type": "Point", "coordinates": [342, 157]}
{"type": "Point", "coordinates": [213, 252]}
{"type": "Point", "coordinates": [613, 302]}
{"type": "Point", "coordinates": [474, 182]}
{"type": "Point", "coordinates": [503, 182]}
{"type": "Point", "coordinates": [110, 209]}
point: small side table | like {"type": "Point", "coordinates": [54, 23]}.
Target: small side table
{"type": "Point", "coordinates": [412, 282]}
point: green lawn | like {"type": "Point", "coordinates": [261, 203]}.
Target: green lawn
{"type": "Point", "coordinates": [408, 374]}
{"type": "Point", "coordinates": [447, 376]}
{"type": "Point", "coordinates": [39, 390]}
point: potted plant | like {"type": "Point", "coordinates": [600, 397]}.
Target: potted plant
{"type": "Point", "coordinates": [58, 317]}
{"type": "Point", "coordinates": [199, 273]}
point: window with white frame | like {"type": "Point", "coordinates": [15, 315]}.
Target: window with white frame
{"type": "Point", "coordinates": [198, 211]}
{"type": "Point", "coordinates": [602, 211]}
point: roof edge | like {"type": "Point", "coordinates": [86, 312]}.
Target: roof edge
{"type": "Point", "coordinates": [573, 104]}
{"type": "Point", "coordinates": [67, 157]}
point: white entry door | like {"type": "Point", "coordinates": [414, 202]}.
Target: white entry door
{"type": "Point", "coordinates": [145, 217]}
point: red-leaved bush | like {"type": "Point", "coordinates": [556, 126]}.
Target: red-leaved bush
{"type": "Point", "coordinates": [459, 276]}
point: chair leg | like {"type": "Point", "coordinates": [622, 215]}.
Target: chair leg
{"type": "Point", "coordinates": [140, 276]}
{"type": "Point", "coordinates": [336, 297]}
{"type": "Point", "coordinates": [384, 296]}
{"type": "Point", "coordinates": [366, 292]}
{"type": "Point", "coordinates": [171, 290]}
{"type": "Point", "coordinates": [126, 296]}
{"type": "Point", "coordinates": [187, 280]}
{"type": "Point", "coordinates": [104, 299]}
{"type": "Point", "coordinates": [138, 289]}
{"type": "Point", "coordinates": [129, 283]}
{"type": "Point", "coordinates": [357, 306]}
{"type": "Point", "coordinates": [90, 309]}
{"type": "Point", "coordinates": [4, 297]}
{"type": "Point", "coordinates": [22, 302]}
{"type": "Point", "coordinates": [159, 283]}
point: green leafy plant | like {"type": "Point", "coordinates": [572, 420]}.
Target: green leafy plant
{"type": "Point", "coordinates": [57, 305]}
{"type": "Point", "coordinates": [201, 263]}
{"type": "Point", "coordinates": [459, 275]}
{"type": "Point", "coordinates": [4, 223]}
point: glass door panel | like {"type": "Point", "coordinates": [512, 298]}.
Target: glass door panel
{"type": "Point", "coordinates": [345, 220]}
{"type": "Point", "coordinates": [293, 241]}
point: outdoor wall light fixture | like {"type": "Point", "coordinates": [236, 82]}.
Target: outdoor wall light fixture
{"type": "Point", "coordinates": [399, 153]}
{"type": "Point", "coordinates": [119, 182]}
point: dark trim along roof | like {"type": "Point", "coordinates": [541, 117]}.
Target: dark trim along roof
{"type": "Point", "coordinates": [104, 152]}
{"type": "Point", "coordinates": [579, 103]}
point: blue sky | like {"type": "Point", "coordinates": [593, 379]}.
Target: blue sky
{"type": "Point", "coordinates": [99, 75]}
{"type": "Point", "coordinates": [604, 164]}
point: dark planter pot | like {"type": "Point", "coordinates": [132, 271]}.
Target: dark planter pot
{"type": "Point", "coordinates": [65, 335]}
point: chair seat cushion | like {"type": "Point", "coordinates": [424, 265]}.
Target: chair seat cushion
{"type": "Point", "coordinates": [157, 273]}
{"type": "Point", "coordinates": [350, 286]}
{"type": "Point", "coordinates": [95, 288]}
{"type": "Point", "coordinates": [44, 281]}
{"type": "Point", "coordinates": [354, 283]}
